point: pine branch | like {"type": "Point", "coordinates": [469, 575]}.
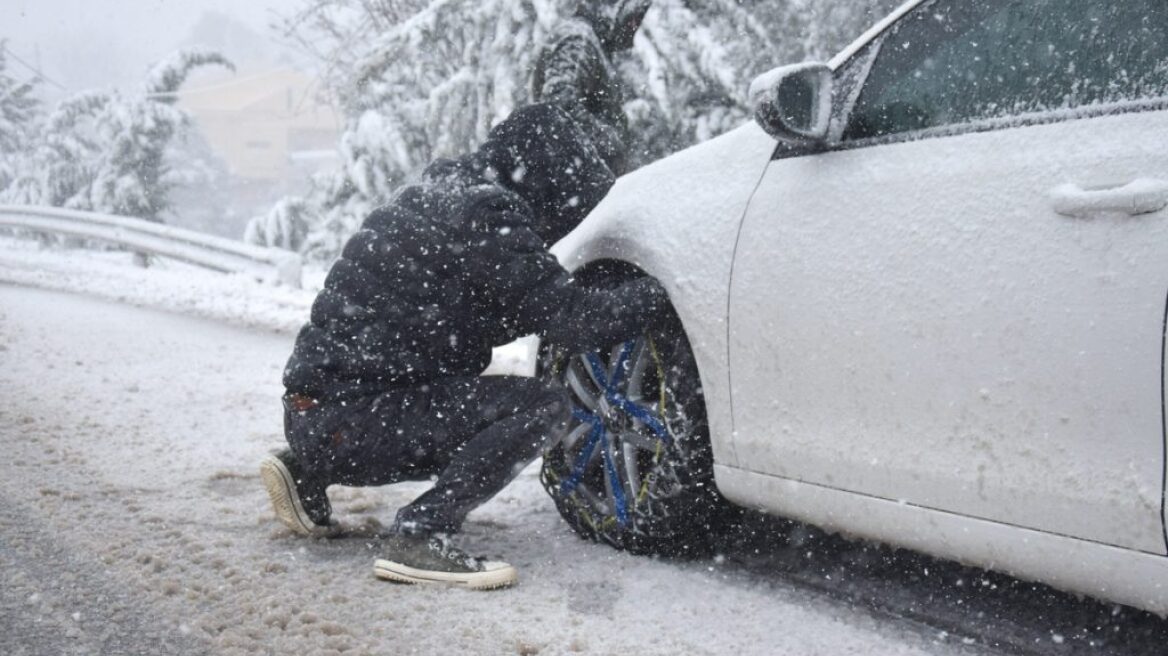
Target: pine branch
{"type": "Point", "coordinates": [164, 80]}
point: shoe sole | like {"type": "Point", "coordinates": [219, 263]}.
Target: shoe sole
{"type": "Point", "coordinates": [501, 577]}
{"type": "Point", "coordinates": [281, 489]}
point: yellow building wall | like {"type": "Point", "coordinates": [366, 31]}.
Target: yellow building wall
{"type": "Point", "coordinates": [256, 121]}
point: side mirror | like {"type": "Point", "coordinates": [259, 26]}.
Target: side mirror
{"type": "Point", "coordinates": [793, 103]}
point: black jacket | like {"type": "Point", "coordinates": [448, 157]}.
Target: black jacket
{"type": "Point", "coordinates": [573, 73]}
{"type": "Point", "coordinates": [459, 264]}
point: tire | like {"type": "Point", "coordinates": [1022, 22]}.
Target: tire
{"type": "Point", "coordinates": [635, 469]}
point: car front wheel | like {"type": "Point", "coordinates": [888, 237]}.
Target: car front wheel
{"type": "Point", "coordinates": [634, 469]}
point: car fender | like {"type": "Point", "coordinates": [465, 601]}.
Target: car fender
{"type": "Point", "coordinates": [677, 220]}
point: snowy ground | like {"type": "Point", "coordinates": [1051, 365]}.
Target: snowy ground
{"type": "Point", "coordinates": [132, 519]}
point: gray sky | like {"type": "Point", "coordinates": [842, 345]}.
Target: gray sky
{"type": "Point", "coordinates": [100, 43]}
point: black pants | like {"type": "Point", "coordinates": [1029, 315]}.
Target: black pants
{"type": "Point", "coordinates": [474, 434]}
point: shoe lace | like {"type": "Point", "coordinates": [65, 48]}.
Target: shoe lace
{"type": "Point", "coordinates": [443, 546]}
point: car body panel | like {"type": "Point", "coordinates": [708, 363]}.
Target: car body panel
{"type": "Point", "coordinates": [914, 321]}
{"type": "Point", "coordinates": [654, 219]}
{"type": "Point", "coordinates": [1080, 508]}
{"type": "Point", "coordinates": [1122, 575]}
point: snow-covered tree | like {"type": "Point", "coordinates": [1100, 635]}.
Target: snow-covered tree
{"type": "Point", "coordinates": [420, 79]}
{"type": "Point", "coordinates": [19, 115]}
{"type": "Point", "coordinates": [691, 64]}
{"type": "Point", "coordinates": [693, 61]}
{"type": "Point", "coordinates": [826, 27]}
{"type": "Point", "coordinates": [62, 165]}
{"type": "Point", "coordinates": [132, 175]}
{"type": "Point", "coordinates": [106, 152]}
{"type": "Point", "coordinates": [199, 197]}
{"type": "Point", "coordinates": [284, 226]}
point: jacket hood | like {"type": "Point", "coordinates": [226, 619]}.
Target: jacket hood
{"type": "Point", "coordinates": [541, 155]}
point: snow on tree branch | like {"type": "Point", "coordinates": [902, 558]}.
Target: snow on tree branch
{"type": "Point", "coordinates": [168, 75]}
{"type": "Point", "coordinates": [107, 152]}
{"type": "Point", "coordinates": [19, 114]}
{"type": "Point", "coordinates": [420, 79]}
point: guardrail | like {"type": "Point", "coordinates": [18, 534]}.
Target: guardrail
{"type": "Point", "coordinates": [141, 236]}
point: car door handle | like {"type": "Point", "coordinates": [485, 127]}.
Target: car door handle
{"type": "Point", "coordinates": [1140, 196]}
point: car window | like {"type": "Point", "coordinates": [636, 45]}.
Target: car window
{"type": "Point", "coordinates": [952, 62]}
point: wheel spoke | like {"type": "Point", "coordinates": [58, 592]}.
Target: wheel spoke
{"type": "Point", "coordinates": [620, 366]}
{"type": "Point", "coordinates": [615, 486]}
{"type": "Point", "coordinates": [632, 471]}
{"type": "Point", "coordinates": [571, 437]}
{"type": "Point", "coordinates": [596, 370]}
{"type": "Point", "coordinates": [586, 455]}
{"type": "Point", "coordinates": [598, 504]}
{"type": "Point", "coordinates": [646, 417]}
{"type": "Point", "coordinates": [639, 362]}
{"type": "Point", "coordinates": [644, 442]}
{"type": "Point", "coordinates": [586, 397]}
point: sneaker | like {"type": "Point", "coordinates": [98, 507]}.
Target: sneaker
{"type": "Point", "coordinates": [300, 502]}
{"type": "Point", "coordinates": [432, 559]}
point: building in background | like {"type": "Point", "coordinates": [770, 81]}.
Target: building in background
{"type": "Point", "coordinates": [270, 128]}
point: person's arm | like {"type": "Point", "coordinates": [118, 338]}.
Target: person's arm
{"type": "Point", "coordinates": [537, 295]}
{"type": "Point", "coordinates": [569, 73]}
{"type": "Point", "coordinates": [580, 318]}
{"type": "Point", "coordinates": [534, 294]}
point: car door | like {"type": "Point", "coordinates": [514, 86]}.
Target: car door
{"type": "Point", "coordinates": [961, 304]}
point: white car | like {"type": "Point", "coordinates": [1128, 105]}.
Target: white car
{"type": "Point", "coordinates": [922, 300]}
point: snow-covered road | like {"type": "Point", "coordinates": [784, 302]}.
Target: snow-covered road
{"type": "Point", "coordinates": [132, 521]}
